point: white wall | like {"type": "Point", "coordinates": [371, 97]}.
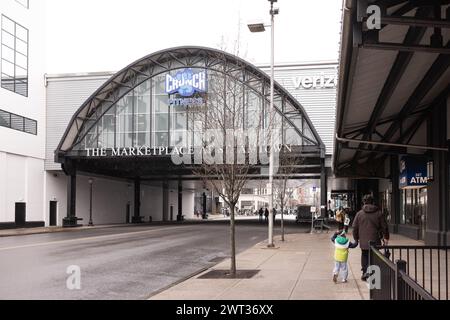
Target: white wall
{"type": "Point", "coordinates": [32, 106]}
{"type": "Point", "coordinates": [110, 198]}
{"type": "Point", "coordinates": [151, 202]}
{"type": "Point", "coordinates": [188, 204]}
{"type": "Point", "coordinates": [22, 154]}
{"type": "Point", "coordinates": [21, 180]}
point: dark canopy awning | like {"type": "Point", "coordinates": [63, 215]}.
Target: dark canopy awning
{"type": "Point", "coordinates": [389, 80]}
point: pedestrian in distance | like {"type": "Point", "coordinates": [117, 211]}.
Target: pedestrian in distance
{"type": "Point", "coordinates": [342, 245]}
{"type": "Point", "coordinates": [347, 219]}
{"type": "Point", "coordinates": [369, 226]}
{"type": "Point", "coordinates": [261, 214]}
{"type": "Point", "coordinates": [266, 214]}
{"type": "Point", "coordinates": [340, 218]}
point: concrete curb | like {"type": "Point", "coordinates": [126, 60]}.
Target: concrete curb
{"type": "Point", "coordinates": [32, 231]}
{"type": "Point", "coordinates": [179, 281]}
{"type": "Point", "coordinates": [59, 230]}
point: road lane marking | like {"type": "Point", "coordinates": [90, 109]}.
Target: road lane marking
{"type": "Point", "coordinates": [117, 235]}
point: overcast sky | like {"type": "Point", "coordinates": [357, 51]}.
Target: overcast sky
{"type": "Point", "coordinates": [107, 35]}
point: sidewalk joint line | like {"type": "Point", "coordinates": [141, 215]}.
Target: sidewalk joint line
{"type": "Point", "coordinates": [299, 276]}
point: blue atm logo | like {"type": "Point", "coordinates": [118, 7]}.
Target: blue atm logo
{"type": "Point", "coordinates": [186, 82]}
{"type": "Point", "coordinates": [413, 173]}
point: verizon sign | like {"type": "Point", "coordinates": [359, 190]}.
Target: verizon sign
{"type": "Point", "coordinates": [321, 81]}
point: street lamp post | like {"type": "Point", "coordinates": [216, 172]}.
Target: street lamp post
{"type": "Point", "coordinates": [260, 27]}
{"type": "Point", "coordinates": [91, 182]}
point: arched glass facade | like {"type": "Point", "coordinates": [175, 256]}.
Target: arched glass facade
{"type": "Point", "coordinates": [136, 107]}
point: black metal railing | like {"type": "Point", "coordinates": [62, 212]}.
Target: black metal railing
{"type": "Point", "coordinates": [411, 272]}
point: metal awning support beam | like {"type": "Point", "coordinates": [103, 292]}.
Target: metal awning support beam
{"type": "Point", "coordinates": [379, 143]}
{"type": "Point", "coordinates": [415, 22]}
{"type": "Point", "coordinates": [401, 47]}
{"type": "Point", "coordinates": [402, 61]}
{"type": "Point", "coordinates": [432, 76]}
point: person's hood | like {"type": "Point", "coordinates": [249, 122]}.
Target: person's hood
{"type": "Point", "coordinates": [370, 208]}
{"type": "Point", "coordinates": [341, 240]}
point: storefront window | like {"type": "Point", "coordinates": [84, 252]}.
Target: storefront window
{"type": "Point", "coordinates": [161, 112]}
{"type": "Point", "coordinates": [142, 114]}
{"type": "Point", "coordinates": [413, 206]}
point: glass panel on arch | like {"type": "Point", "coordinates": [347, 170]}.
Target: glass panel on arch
{"type": "Point", "coordinates": [107, 129]}
{"type": "Point", "coordinates": [292, 137]}
{"type": "Point", "coordinates": [161, 139]}
{"type": "Point", "coordinates": [254, 108]}
{"type": "Point", "coordinates": [179, 127]}
{"type": "Point", "coordinates": [142, 98]}
{"type": "Point", "coordinates": [124, 121]}
{"type": "Point", "coordinates": [160, 101]}
{"type": "Point", "coordinates": [179, 139]}
{"type": "Point", "coordinates": [90, 141]}
{"type": "Point", "coordinates": [309, 134]}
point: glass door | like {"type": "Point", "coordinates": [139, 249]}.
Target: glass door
{"type": "Point", "coordinates": [423, 211]}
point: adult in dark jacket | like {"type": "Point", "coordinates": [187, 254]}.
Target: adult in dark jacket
{"type": "Point", "coordinates": [369, 225]}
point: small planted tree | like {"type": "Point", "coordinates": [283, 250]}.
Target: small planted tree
{"type": "Point", "coordinates": [226, 148]}
{"type": "Point", "coordinates": [289, 164]}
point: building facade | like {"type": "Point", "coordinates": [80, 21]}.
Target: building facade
{"type": "Point", "coordinates": [66, 93]}
{"type": "Point", "coordinates": [22, 112]}
{"type": "Point", "coordinates": [36, 110]}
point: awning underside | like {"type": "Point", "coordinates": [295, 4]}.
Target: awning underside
{"type": "Point", "coordinates": [389, 80]}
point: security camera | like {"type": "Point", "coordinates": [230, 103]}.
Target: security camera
{"type": "Point", "coordinates": [275, 11]}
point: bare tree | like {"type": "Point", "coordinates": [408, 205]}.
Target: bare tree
{"type": "Point", "coordinates": [226, 148]}
{"type": "Point", "coordinates": [289, 165]}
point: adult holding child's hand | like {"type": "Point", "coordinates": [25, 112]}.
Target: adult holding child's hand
{"type": "Point", "coordinates": [369, 226]}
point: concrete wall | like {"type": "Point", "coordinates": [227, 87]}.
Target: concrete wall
{"type": "Point", "coordinates": [21, 180]}
{"type": "Point", "coordinates": [110, 198]}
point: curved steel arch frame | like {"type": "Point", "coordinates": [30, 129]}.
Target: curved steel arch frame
{"type": "Point", "coordinates": [152, 65]}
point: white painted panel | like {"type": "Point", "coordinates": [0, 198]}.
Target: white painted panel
{"type": "Point", "coordinates": [64, 97]}
{"type": "Point", "coordinates": [56, 190]}
{"type": "Point", "coordinates": [188, 204]}
{"type": "Point", "coordinates": [16, 182]}
{"type": "Point", "coordinates": [152, 202]}
{"type": "Point", "coordinates": [35, 190]}
{"type": "Point", "coordinates": [3, 186]}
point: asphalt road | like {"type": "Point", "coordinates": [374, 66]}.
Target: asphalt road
{"type": "Point", "coordinates": [128, 262]}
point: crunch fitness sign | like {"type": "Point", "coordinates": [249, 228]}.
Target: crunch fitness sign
{"type": "Point", "coordinates": [186, 83]}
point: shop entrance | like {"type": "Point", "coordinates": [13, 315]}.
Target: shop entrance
{"type": "Point", "coordinates": [20, 214]}
{"type": "Point", "coordinates": [422, 206]}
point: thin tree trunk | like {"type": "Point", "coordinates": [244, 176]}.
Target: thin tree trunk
{"type": "Point", "coordinates": [282, 223]}
{"type": "Point", "coordinates": [233, 242]}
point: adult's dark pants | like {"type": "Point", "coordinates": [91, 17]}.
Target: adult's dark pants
{"type": "Point", "coordinates": [364, 260]}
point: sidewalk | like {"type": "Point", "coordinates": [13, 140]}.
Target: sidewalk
{"type": "Point", "coordinates": [298, 269]}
